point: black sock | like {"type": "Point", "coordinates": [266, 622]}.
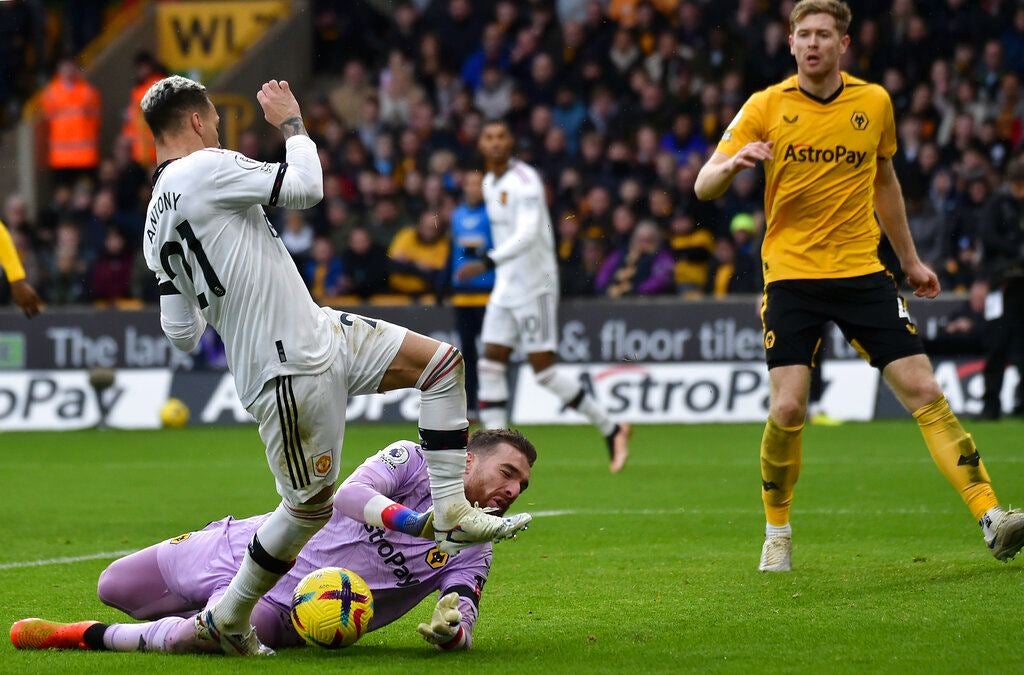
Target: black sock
{"type": "Point", "coordinates": [94, 636]}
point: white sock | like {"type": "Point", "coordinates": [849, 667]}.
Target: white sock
{"type": "Point", "coordinates": [231, 613]}
{"type": "Point", "coordinates": [494, 417]}
{"type": "Point", "coordinates": [493, 394]}
{"type": "Point", "coordinates": [446, 469]}
{"type": "Point", "coordinates": [276, 544]}
{"type": "Point", "coordinates": [778, 530]}
{"type": "Point", "coordinates": [571, 394]}
{"type": "Point", "coordinates": [150, 636]}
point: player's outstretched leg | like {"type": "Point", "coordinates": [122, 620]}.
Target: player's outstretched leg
{"type": "Point", "coordinates": [572, 395]}
{"type": "Point", "coordinates": [957, 457]}
{"type": "Point", "coordinates": [170, 635]}
{"type": "Point", "coordinates": [444, 433]}
{"type": "Point", "coordinates": [955, 453]}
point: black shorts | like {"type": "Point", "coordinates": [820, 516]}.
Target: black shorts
{"type": "Point", "coordinates": [868, 309]}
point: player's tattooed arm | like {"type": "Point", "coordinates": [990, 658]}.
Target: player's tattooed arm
{"type": "Point", "coordinates": [293, 126]}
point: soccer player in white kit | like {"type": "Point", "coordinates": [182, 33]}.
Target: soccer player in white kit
{"type": "Point", "coordinates": [522, 309]}
{"type": "Point", "coordinates": [218, 260]}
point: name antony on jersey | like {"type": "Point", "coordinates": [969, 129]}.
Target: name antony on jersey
{"type": "Point", "coordinates": [839, 154]}
{"type": "Point", "coordinates": [167, 201]}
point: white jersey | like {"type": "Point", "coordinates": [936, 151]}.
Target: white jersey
{"type": "Point", "coordinates": [208, 239]}
{"type": "Point", "coordinates": [524, 244]}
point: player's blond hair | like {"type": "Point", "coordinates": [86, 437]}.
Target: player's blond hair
{"type": "Point", "coordinates": [837, 9]}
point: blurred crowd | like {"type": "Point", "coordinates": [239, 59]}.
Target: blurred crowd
{"type": "Point", "coordinates": [616, 102]}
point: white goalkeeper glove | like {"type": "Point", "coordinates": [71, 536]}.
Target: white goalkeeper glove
{"type": "Point", "coordinates": [445, 628]}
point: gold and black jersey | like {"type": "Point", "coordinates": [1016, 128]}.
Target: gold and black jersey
{"type": "Point", "coordinates": [819, 187]}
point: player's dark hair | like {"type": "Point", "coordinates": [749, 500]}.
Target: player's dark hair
{"type": "Point", "coordinates": [499, 121]}
{"type": "Point", "coordinates": [481, 442]}
{"type": "Point", "coordinates": [169, 103]}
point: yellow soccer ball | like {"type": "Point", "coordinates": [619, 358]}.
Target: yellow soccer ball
{"type": "Point", "coordinates": [174, 414]}
{"type": "Point", "coordinates": [332, 607]}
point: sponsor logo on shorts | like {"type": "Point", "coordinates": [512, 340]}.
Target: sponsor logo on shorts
{"type": "Point", "coordinates": [769, 339]}
{"type": "Point", "coordinates": [323, 462]}
{"type": "Point", "coordinates": [912, 329]}
{"type": "Point", "coordinates": [437, 559]}
{"type": "Point", "coordinates": [180, 538]}
{"type": "Point", "coordinates": [391, 556]}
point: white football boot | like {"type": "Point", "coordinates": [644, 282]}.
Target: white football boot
{"type": "Point", "coordinates": [1004, 532]}
{"type": "Point", "coordinates": [474, 525]}
{"type": "Point", "coordinates": [776, 555]}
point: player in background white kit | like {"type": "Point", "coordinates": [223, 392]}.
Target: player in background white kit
{"type": "Point", "coordinates": [218, 260]}
{"type": "Point", "coordinates": [522, 310]}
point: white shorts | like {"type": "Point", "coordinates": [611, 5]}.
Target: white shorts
{"type": "Point", "coordinates": [302, 417]}
{"type": "Point", "coordinates": [532, 326]}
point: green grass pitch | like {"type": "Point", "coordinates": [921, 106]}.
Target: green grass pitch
{"type": "Point", "coordinates": [651, 570]}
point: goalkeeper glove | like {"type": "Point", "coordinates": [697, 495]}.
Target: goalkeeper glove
{"type": "Point", "coordinates": [445, 629]}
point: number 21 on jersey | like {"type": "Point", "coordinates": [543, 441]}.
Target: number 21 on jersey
{"type": "Point", "coordinates": [171, 249]}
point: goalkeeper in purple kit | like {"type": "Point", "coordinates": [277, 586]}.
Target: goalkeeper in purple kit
{"type": "Point", "coordinates": [381, 529]}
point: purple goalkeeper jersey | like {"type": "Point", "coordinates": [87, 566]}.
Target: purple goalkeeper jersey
{"type": "Point", "coordinates": [400, 569]}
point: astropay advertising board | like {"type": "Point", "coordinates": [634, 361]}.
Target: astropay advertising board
{"type": "Point", "coordinates": [653, 362]}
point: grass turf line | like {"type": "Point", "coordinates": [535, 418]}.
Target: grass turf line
{"type": "Point", "coordinates": [653, 569]}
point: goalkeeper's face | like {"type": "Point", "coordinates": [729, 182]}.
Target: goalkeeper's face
{"type": "Point", "coordinates": [496, 476]}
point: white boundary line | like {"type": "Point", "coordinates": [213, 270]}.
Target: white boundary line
{"type": "Point", "coordinates": [554, 513]}
{"type": "Point", "coordinates": [64, 561]}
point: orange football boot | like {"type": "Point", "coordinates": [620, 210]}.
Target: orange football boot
{"type": "Point", "coordinates": [43, 634]}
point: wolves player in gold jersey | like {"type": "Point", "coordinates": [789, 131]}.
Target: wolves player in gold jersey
{"type": "Point", "coordinates": [827, 141]}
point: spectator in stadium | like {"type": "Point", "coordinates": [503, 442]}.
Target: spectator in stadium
{"type": "Point", "coordinates": [364, 265]}
{"type": "Point", "coordinates": [297, 236]}
{"type": "Point", "coordinates": [71, 107]}
{"type": "Point", "coordinates": [644, 267]}
{"type": "Point", "coordinates": [349, 99]}
{"type": "Point", "coordinates": [323, 271]}
{"type": "Point", "coordinates": [691, 247]}
{"type": "Point", "coordinates": [111, 274]}
{"type": "Point", "coordinates": [944, 72]}
{"type": "Point", "coordinates": [962, 332]}
{"type": "Point", "coordinates": [148, 71]}
{"type": "Point", "coordinates": [494, 95]}
{"type": "Point", "coordinates": [1002, 236]}
{"type": "Point", "coordinates": [930, 231]}
{"type": "Point", "coordinates": [419, 256]}
{"type": "Point", "coordinates": [471, 232]}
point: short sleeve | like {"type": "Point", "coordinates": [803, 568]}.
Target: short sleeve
{"type": "Point", "coordinates": [746, 127]}
{"type": "Point", "coordinates": [887, 139]}
{"type": "Point", "coordinates": [243, 182]}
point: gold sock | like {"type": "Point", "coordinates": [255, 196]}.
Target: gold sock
{"type": "Point", "coordinates": [781, 450]}
{"type": "Point", "coordinates": [955, 454]}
